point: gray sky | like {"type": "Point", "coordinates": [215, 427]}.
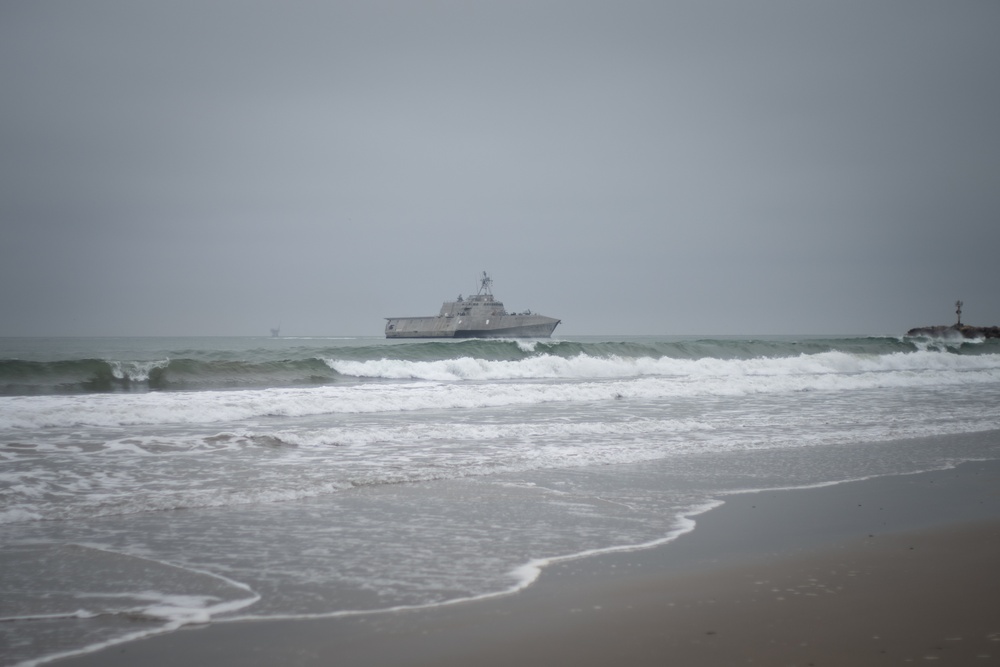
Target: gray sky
{"type": "Point", "coordinates": [629, 167]}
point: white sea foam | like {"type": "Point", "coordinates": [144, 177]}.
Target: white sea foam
{"type": "Point", "coordinates": [583, 366]}
{"type": "Point", "coordinates": [135, 371]}
{"type": "Point", "coordinates": [459, 383]}
{"type": "Point", "coordinates": [356, 436]}
{"type": "Point", "coordinates": [528, 573]}
{"type": "Point", "coordinates": [296, 459]}
{"type": "Point", "coordinates": [115, 572]}
{"type": "Point", "coordinates": [523, 575]}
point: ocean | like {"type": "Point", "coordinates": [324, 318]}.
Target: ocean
{"type": "Point", "coordinates": [150, 483]}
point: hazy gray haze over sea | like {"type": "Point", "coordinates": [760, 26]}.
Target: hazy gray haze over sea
{"type": "Point", "coordinates": [191, 168]}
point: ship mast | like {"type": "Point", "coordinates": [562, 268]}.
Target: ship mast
{"type": "Point", "coordinates": [485, 285]}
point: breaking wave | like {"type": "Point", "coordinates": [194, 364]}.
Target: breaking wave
{"type": "Point", "coordinates": [453, 360]}
{"type": "Point", "coordinates": [464, 382]}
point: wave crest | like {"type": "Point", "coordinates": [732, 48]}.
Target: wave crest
{"type": "Point", "coordinates": [462, 383]}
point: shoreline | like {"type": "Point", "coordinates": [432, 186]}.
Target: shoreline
{"type": "Point", "coordinates": [837, 562]}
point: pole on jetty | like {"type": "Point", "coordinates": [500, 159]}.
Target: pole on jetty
{"type": "Point", "coordinates": [958, 311]}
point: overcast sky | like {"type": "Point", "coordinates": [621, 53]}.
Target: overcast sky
{"type": "Point", "coordinates": [703, 167]}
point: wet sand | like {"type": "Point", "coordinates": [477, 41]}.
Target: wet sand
{"type": "Point", "coordinates": [878, 572]}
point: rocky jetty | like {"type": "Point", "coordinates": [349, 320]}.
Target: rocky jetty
{"type": "Point", "coordinates": [955, 331]}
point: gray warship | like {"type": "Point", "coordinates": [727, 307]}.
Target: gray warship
{"type": "Point", "coordinates": [478, 316]}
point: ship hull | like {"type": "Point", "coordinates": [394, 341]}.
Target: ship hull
{"type": "Point", "coordinates": [507, 326]}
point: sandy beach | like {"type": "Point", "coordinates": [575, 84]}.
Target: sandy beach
{"type": "Point", "coordinates": [881, 571]}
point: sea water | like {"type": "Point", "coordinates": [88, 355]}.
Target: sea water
{"type": "Point", "coordinates": [148, 483]}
